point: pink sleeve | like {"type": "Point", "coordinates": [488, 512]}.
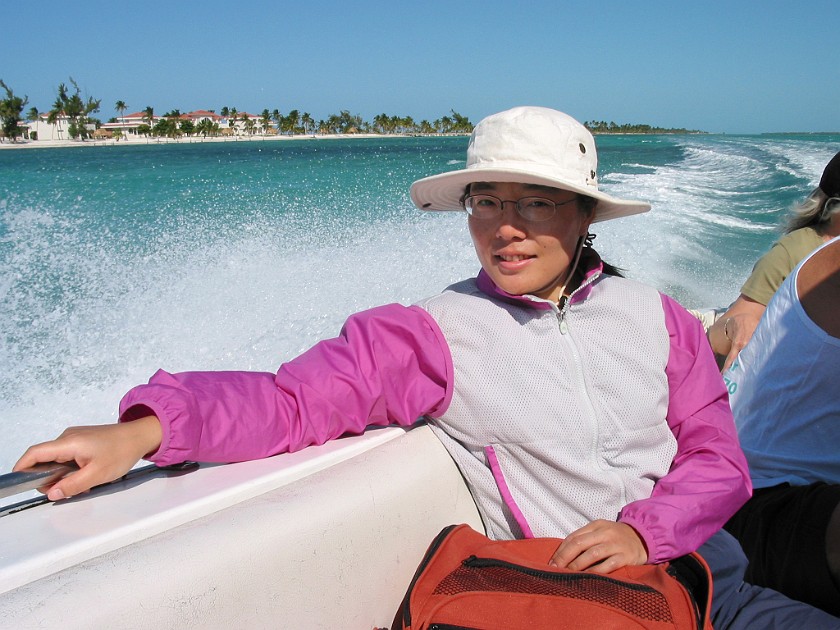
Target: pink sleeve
{"type": "Point", "coordinates": [389, 365]}
{"type": "Point", "coordinates": [709, 479]}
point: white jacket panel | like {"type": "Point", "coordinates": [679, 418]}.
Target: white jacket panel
{"type": "Point", "coordinates": [589, 434]}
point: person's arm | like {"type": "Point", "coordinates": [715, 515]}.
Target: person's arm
{"type": "Point", "coordinates": [731, 332]}
{"type": "Point", "coordinates": [709, 478]}
{"type": "Point", "coordinates": [389, 365]}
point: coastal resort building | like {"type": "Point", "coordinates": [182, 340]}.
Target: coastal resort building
{"type": "Point", "coordinates": [238, 126]}
{"type": "Point", "coordinates": [43, 129]}
{"type": "Point", "coordinates": [129, 125]}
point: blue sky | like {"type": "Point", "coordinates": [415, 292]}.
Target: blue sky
{"type": "Point", "coordinates": [721, 66]}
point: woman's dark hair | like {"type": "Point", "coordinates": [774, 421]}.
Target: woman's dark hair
{"type": "Point", "coordinates": [587, 206]}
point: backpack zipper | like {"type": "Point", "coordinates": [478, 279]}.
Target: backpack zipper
{"type": "Point", "coordinates": [474, 562]}
{"type": "Point", "coordinates": [436, 543]}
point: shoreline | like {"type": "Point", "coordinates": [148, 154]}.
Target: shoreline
{"type": "Point", "coordinates": [143, 141]}
{"type": "Point", "coordinates": [148, 140]}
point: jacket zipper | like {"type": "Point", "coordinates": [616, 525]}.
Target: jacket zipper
{"type": "Point", "coordinates": [564, 328]}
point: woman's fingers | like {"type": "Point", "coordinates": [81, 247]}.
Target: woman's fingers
{"type": "Point", "coordinates": [600, 547]}
{"type": "Point", "coordinates": [103, 453]}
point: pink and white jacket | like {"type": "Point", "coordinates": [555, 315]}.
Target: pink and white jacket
{"type": "Point", "coordinates": [610, 408]}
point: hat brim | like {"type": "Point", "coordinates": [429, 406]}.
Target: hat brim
{"type": "Point", "coordinates": [444, 191]}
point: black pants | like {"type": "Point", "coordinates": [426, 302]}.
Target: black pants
{"type": "Point", "coordinates": [782, 531]}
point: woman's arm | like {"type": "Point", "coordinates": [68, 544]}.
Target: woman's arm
{"type": "Point", "coordinates": [709, 479]}
{"type": "Point", "coordinates": [389, 365]}
{"type": "Point", "coordinates": [735, 328]}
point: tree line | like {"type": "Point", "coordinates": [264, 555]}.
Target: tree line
{"type": "Point", "coordinates": [600, 126]}
{"type": "Point", "coordinates": [71, 107]}
{"type": "Point", "coordinates": [171, 124]}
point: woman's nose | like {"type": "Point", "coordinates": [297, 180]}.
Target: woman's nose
{"type": "Point", "coordinates": [510, 225]}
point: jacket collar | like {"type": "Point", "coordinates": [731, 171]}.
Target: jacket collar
{"type": "Point", "coordinates": [590, 262]}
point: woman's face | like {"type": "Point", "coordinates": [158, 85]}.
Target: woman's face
{"type": "Point", "coordinates": [521, 256]}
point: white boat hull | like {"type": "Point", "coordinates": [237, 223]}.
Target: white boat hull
{"type": "Point", "coordinates": [325, 538]}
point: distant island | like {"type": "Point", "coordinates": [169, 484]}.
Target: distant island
{"type": "Point", "coordinates": [602, 127]}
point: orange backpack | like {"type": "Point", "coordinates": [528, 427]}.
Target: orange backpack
{"type": "Point", "coordinates": [467, 581]}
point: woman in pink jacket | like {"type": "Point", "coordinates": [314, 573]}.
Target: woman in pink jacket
{"type": "Point", "coordinates": [576, 403]}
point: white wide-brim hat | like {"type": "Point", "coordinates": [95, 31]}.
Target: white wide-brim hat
{"type": "Point", "coordinates": [526, 145]}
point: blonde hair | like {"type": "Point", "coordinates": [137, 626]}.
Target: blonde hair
{"type": "Point", "coordinates": [814, 211]}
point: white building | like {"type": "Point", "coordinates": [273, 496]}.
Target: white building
{"type": "Point", "coordinates": [42, 129]}
{"type": "Point", "coordinates": [129, 123]}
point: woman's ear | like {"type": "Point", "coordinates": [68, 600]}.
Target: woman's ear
{"type": "Point", "coordinates": [586, 206]}
{"type": "Point", "coordinates": [584, 225]}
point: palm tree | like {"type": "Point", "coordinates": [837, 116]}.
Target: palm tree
{"type": "Point", "coordinates": [206, 126]}
{"type": "Point", "coordinates": [120, 106]}
{"type": "Point", "coordinates": [349, 123]}
{"type": "Point", "coordinates": [250, 124]}
{"type": "Point", "coordinates": [56, 114]}
{"type": "Point", "coordinates": [10, 109]}
{"type": "Point", "coordinates": [232, 121]}
{"type": "Point", "coordinates": [77, 110]}
{"type": "Point", "coordinates": [149, 115]}
{"type": "Point", "coordinates": [444, 124]}
{"type": "Point", "coordinates": [380, 123]}
{"type": "Point", "coordinates": [291, 122]}
{"type": "Point", "coordinates": [174, 117]}
{"type": "Point", "coordinates": [461, 123]}
{"type": "Point", "coordinates": [307, 122]}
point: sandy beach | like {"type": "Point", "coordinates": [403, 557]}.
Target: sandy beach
{"type": "Point", "coordinates": [143, 140]}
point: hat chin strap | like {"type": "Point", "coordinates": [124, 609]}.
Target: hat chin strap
{"type": "Point", "coordinates": [572, 268]}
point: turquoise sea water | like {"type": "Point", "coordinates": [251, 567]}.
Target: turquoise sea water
{"type": "Point", "coordinates": [115, 261]}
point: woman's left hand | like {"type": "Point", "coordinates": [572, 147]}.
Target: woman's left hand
{"type": "Point", "coordinates": [600, 547]}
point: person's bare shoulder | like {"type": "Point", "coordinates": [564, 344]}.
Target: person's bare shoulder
{"type": "Point", "coordinates": [818, 286]}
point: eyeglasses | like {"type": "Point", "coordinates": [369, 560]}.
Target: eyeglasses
{"type": "Point", "coordinates": [534, 209]}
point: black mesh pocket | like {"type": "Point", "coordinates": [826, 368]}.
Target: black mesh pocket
{"type": "Point", "coordinates": [482, 574]}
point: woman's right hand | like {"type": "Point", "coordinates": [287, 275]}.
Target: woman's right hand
{"type": "Point", "coordinates": [739, 330]}
{"type": "Point", "coordinates": [733, 330]}
{"type": "Point", "coordinates": [103, 453]}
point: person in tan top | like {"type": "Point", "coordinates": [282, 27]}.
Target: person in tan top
{"type": "Point", "coordinates": [814, 221]}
